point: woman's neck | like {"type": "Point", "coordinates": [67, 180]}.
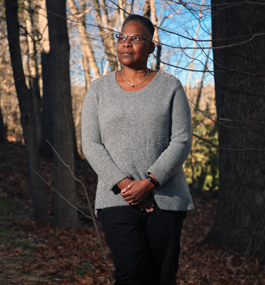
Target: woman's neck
{"type": "Point", "coordinates": [135, 77]}
{"type": "Point", "coordinates": [129, 79]}
{"type": "Point", "coordinates": [132, 72]}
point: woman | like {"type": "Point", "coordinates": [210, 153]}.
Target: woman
{"type": "Point", "coordinates": [136, 134]}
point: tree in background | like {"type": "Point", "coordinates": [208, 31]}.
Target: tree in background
{"type": "Point", "coordinates": [239, 66]}
{"type": "Point", "coordinates": [63, 130]}
{"type": "Point", "coordinates": [32, 64]}
{"type": "Point", "coordinates": [26, 109]}
{"type": "Point", "coordinates": [46, 100]}
{"type": "Point", "coordinates": [88, 57]}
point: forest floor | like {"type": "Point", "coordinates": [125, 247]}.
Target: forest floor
{"type": "Point", "coordinates": [38, 253]}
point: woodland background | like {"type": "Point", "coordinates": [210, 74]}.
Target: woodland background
{"type": "Point", "coordinates": [50, 52]}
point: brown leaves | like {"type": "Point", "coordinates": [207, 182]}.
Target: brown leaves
{"type": "Point", "coordinates": [206, 265]}
{"type": "Point", "coordinates": [42, 254]}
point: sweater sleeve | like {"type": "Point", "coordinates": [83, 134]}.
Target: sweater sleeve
{"type": "Point", "coordinates": [173, 157]}
{"type": "Point", "coordinates": [92, 146]}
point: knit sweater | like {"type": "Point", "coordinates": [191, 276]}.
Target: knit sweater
{"type": "Point", "coordinates": [130, 134]}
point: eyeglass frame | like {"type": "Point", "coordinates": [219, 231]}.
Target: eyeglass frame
{"type": "Point", "coordinates": [130, 36]}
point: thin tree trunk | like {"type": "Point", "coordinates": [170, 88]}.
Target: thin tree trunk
{"type": "Point", "coordinates": [147, 9]}
{"type": "Point", "coordinates": [63, 131]}
{"type": "Point", "coordinates": [85, 58]}
{"type": "Point", "coordinates": [33, 75]}
{"type": "Point", "coordinates": [87, 51]}
{"type": "Point", "coordinates": [197, 104]}
{"type": "Point", "coordinates": [191, 64]}
{"type": "Point", "coordinates": [47, 113]}
{"type": "Point", "coordinates": [106, 35]}
{"type": "Point", "coordinates": [240, 83]}
{"type": "Point", "coordinates": [156, 35]}
{"type": "Point", "coordinates": [46, 102]}
{"type": "Point", "coordinates": [26, 109]}
{"type": "Point", "coordinates": [121, 11]}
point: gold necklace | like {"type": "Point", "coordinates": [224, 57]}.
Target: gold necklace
{"type": "Point", "coordinates": [147, 73]}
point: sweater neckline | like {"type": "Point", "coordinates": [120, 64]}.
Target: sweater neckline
{"type": "Point", "coordinates": [118, 87]}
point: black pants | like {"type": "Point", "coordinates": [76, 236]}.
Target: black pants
{"type": "Point", "coordinates": [144, 246]}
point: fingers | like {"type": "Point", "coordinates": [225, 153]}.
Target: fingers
{"type": "Point", "coordinates": [123, 183]}
{"type": "Point", "coordinates": [145, 206]}
{"type": "Point", "coordinates": [128, 187]}
{"type": "Point", "coordinates": [140, 207]}
{"type": "Point", "coordinates": [127, 195]}
{"type": "Point", "coordinates": [135, 193]}
{"type": "Point", "coordinates": [133, 202]}
{"type": "Point", "coordinates": [149, 202]}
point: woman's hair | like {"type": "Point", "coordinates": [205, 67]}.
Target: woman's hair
{"type": "Point", "coordinates": [142, 20]}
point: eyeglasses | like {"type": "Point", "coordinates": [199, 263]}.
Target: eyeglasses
{"type": "Point", "coordinates": [135, 39]}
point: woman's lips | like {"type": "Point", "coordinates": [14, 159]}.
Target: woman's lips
{"type": "Point", "coordinates": [126, 53]}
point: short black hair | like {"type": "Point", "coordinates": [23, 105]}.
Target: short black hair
{"type": "Point", "coordinates": [142, 20]}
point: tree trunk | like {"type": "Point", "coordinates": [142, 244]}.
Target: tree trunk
{"type": "Point", "coordinates": [46, 102]}
{"type": "Point", "coordinates": [106, 35]}
{"type": "Point", "coordinates": [33, 73]}
{"type": "Point", "coordinates": [87, 50]}
{"type": "Point", "coordinates": [47, 114]}
{"type": "Point", "coordinates": [63, 131]}
{"type": "Point", "coordinates": [147, 9]}
{"type": "Point", "coordinates": [26, 109]}
{"type": "Point", "coordinates": [239, 85]}
{"type": "Point", "coordinates": [156, 35]}
{"type": "Point", "coordinates": [85, 57]}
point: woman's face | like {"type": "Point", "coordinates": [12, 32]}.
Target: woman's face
{"type": "Point", "coordinates": [134, 55]}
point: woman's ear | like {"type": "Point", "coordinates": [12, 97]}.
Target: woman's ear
{"type": "Point", "coordinates": [152, 47]}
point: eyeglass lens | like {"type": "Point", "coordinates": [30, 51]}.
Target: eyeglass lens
{"type": "Point", "coordinates": [133, 38]}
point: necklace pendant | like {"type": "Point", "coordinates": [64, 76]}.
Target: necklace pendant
{"type": "Point", "coordinates": [147, 73]}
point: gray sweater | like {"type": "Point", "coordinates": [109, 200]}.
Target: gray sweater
{"type": "Point", "coordinates": [131, 134]}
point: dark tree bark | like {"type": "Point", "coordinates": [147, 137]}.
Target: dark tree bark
{"type": "Point", "coordinates": [63, 130]}
{"type": "Point", "coordinates": [240, 99]}
{"type": "Point", "coordinates": [26, 110]}
{"type": "Point", "coordinates": [46, 102]}
{"type": "Point", "coordinates": [33, 71]}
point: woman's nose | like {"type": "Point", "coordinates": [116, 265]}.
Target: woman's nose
{"type": "Point", "coordinates": [128, 42]}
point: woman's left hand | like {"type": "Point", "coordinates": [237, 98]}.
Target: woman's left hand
{"type": "Point", "coordinates": [137, 191]}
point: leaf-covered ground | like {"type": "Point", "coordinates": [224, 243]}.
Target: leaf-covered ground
{"type": "Point", "coordinates": [35, 253]}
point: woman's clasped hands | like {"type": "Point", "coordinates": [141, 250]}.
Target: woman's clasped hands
{"type": "Point", "coordinates": [137, 193]}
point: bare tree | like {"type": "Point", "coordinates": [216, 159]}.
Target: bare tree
{"type": "Point", "coordinates": [147, 9]}
{"type": "Point", "coordinates": [156, 35]}
{"type": "Point", "coordinates": [89, 60]}
{"type": "Point", "coordinates": [239, 62]}
{"type": "Point", "coordinates": [63, 132]}
{"type": "Point", "coordinates": [26, 109]}
{"type": "Point", "coordinates": [85, 55]}
{"type": "Point", "coordinates": [106, 33]}
{"type": "Point", "coordinates": [46, 102]}
{"type": "Point", "coordinates": [32, 65]}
